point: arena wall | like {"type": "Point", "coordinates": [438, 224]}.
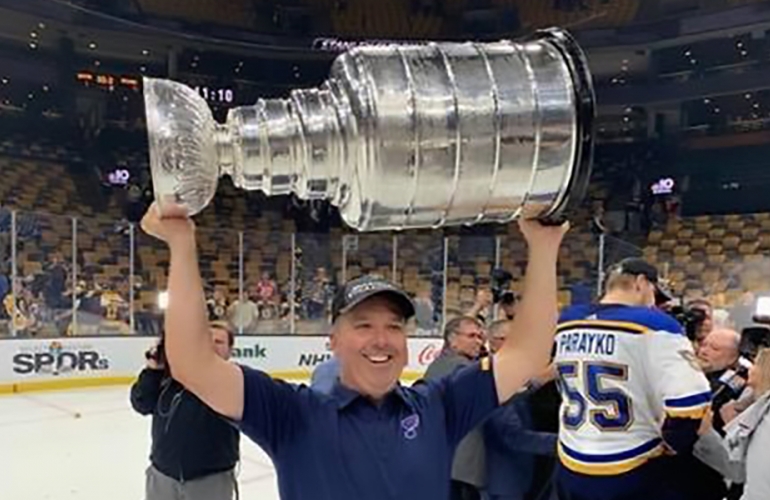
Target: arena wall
{"type": "Point", "coordinates": [66, 363]}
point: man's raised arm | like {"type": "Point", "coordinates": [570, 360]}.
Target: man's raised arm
{"type": "Point", "coordinates": [189, 346]}
{"type": "Point", "coordinates": [528, 344]}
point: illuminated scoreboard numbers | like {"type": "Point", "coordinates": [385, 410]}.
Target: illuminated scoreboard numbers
{"type": "Point", "coordinates": [218, 95]}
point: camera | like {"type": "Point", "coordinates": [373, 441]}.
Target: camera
{"type": "Point", "coordinates": [158, 354]}
{"type": "Point", "coordinates": [500, 282]}
{"type": "Point", "coordinates": [691, 318]}
{"type": "Point", "coordinates": [754, 338]}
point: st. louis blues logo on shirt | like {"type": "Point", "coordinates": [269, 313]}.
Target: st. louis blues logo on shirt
{"type": "Point", "coordinates": [409, 425]}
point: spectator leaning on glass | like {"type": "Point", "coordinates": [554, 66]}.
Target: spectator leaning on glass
{"type": "Point", "coordinates": [194, 449]}
{"type": "Point", "coordinates": [371, 437]}
{"type": "Point", "coordinates": [743, 455]}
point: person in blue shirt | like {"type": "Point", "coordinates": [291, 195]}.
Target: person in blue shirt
{"type": "Point", "coordinates": [370, 438]}
{"type": "Point", "coordinates": [325, 375]}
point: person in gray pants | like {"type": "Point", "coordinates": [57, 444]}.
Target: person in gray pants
{"type": "Point", "coordinates": [194, 449]}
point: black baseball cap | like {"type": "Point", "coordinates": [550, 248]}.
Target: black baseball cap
{"type": "Point", "coordinates": [365, 287]}
{"type": "Point", "coordinates": [635, 266]}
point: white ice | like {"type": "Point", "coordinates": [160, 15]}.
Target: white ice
{"type": "Point", "coordinates": [90, 445]}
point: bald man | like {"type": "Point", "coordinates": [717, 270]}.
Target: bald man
{"type": "Point", "coordinates": [719, 351]}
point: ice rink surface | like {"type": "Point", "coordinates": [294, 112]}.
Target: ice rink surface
{"type": "Point", "coordinates": [90, 445]}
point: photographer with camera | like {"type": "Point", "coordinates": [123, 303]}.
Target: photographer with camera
{"type": "Point", "coordinates": [498, 295]}
{"type": "Point", "coordinates": [502, 296]}
{"type": "Point", "coordinates": [194, 450]}
{"type": "Point", "coordinates": [696, 317]}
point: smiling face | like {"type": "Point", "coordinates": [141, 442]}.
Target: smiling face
{"type": "Point", "coordinates": [370, 343]}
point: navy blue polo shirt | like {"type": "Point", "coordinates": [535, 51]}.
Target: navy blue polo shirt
{"type": "Point", "coordinates": [341, 446]}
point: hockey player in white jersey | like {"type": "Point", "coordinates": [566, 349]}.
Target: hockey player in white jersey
{"type": "Point", "coordinates": [632, 391]}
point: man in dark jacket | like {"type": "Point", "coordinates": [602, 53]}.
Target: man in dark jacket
{"type": "Point", "coordinates": [512, 442]}
{"type": "Point", "coordinates": [194, 450]}
{"type": "Point", "coordinates": [463, 341]}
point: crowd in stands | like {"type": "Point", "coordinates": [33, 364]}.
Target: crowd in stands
{"type": "Point", "coordinates": [421, 19]}
{"type": "Point", "coordinates": [270, 250]}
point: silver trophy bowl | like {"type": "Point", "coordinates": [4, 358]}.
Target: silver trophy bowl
{"type": "Point", "coordinates": [398, 137]}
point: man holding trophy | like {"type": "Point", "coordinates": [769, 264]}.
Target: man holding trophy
{"type": "Point", "coordinates": [399, 137]}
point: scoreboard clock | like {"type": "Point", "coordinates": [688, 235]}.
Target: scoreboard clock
{"type": "Point", "coordinates": [216, 95]}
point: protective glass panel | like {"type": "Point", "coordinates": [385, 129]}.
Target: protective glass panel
{"type": "Point", "coordinates": [420, 270]}
{"type": "Point", "coordinates": [267, 267]}
{"type": "Point", "coordinates": [102, 283]}
{"type": "Point", "coordinates": [318, 274]}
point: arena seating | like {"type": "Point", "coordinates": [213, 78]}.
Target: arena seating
{"type": "Point", "coordinates": [236, 13]}
{"type": "Point", "coordinates": [375, 19]}
{"type": "Point", "coordinates": [714, 254]}
{"type": "Point", "coordinates": [400, 18]}
{"type": "Point", "coordinates": [39, 189]}
{"type": "Point", "coordinates": [597, 13]}
{"type": "Point", "coordinates": [43, 192]}
{"type": "Point", "coordinates": [724, 253]}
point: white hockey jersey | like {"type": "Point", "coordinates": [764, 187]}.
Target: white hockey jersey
{"type": "Point", "coordinates": [622, 371]}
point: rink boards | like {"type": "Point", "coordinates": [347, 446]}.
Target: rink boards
{"type": "Point", "coordinates": [74, 362]}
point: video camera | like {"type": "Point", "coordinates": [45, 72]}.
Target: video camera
{"type": "Point", "coordinates": [754, 338]}
{"type": "Point", "coordinates": [500, 282]}
{"type": "Point", "coordinates": [691, 318]}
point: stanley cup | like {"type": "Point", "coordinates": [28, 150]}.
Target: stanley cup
{"type": "Point", "coordinates": [398, 137]}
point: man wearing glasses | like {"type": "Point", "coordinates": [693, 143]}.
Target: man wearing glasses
{"type": "Point", "coordinates": [463, 343]}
